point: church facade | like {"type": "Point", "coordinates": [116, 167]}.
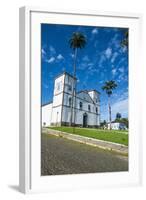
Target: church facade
{"type": "Point", "coordinates": [83, 111]}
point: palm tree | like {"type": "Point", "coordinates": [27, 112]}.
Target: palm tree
{"type": "Point", "coordinates": [109, 86]}
{"type": "Point", "coordinates": [124, 42]}
{"type": "Point", "coordinates": [77, 41]}
{"type": "Point", "coordinates": [118, 116]}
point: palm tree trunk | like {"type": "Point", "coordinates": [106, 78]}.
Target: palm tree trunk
{"type": "Point", "coordinates": [73, 90]}
{"type": "Point", "coordinates": [109, 107]}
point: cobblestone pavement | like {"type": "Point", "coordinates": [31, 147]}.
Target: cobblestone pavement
{"type": "Point", "coordinates": [63, 156]}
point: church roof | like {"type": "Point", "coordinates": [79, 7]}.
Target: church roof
{"type": "Point", "coordinates": [93, 90]}
{"type": "Point", "coordinates": [86, 92]}
{"type": "Point", "coordinates": [47, 103]}
{"type": "Point", "coordinates": [66, 73]}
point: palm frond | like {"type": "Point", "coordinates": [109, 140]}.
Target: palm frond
{"type": "Point", "coordinates": [109, 86]}
{"type": "Point", "coordinates": [124, 42]}
{"type": "Point", "coordinates": [78, 40]}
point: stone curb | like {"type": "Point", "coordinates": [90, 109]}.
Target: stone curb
{"type": "Point", "coordinates": [90, 141]}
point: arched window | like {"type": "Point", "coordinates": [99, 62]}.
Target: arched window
{"type": "Point", "coordinates": [69, 88]}
{"type": "Point", "coordinates": [69, 101]}
{"type": "Point", "coordinates": [89, 108]}
{"type": "Point", "coordinates": [96, 110]}
{"type": "Point", "coordinates": [81, 105]}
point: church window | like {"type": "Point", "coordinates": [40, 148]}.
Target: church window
{"type": "Point", "coordinates": [96, 110]}
{"type": "Point", "coordinates": [58, 86]}
{"type": "Point", "coordinates": [69, 88]}
{"type": "Point", "coordinates": [70, 101]}
{"type": "Point", "coordinates": [89, 108]}
{"type": "Point", "coordinates": [81, 105]}
{"type": "Point", "coordinates": [97, 100]}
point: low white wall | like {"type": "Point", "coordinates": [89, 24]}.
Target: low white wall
{"type": "Point", "coordinates": [46, 114]}
{"type": "Point", "coordinates": [56, 115]}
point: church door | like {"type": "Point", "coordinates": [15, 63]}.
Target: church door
{"type": "Point", "coordinates": [85, 120]}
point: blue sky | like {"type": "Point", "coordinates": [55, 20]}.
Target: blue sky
{"type": "Point", "coordinates": [101, 60]}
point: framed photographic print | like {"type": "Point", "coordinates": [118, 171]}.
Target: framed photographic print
{"type": "Point", "coordinates": [79, 100]}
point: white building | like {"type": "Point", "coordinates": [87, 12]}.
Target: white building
{"type": "Point", "coordinates": [86, 108]}
{"type": "Point", "coordinates": [117, 126]}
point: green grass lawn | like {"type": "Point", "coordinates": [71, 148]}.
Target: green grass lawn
{"type": "Point", "coordinates": [120, 137]}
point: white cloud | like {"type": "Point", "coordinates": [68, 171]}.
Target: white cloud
{"type": "Point", "coordinates": [85, 58]}
{"type": "Point", "coordinates": [72, 55]}
{"type": "Point", "coordinates": [121, 69]}
{"type": "Point", "coordinates": [121, 107]}
{"type": "Point", "coordinates": [85, 63]}
{"type": "Point", "coordinates": [53, 59]}
{"type": "Point", "coordinates": [52, 50]}
{"type": "Point", "coordinates": [101, 81]}
{"type": "Point", "coordinates": [83, 66]}
{"type": "Point", "coordinates": [115, 41]}
{"type": "Point", "coordinates": [95, 31]}
{"type": "Point", "coordinates": [101, 60]}
{"type": "Point", "coordinates": [114, 56]}
{"type": "Point", "coordinates": [50, 60]}
{"type": "Point", "coordinates": [121, 62]}
{"type": "Point", "coordinates": [96, 43]}
{"type": "Point", "coordinates": [123, 95]}
{"type": "Point", "coordinates": [60, 57]}
{"type": "Point", "coordinates": [43, 51]}
{"type": "Point", "coordinates": [114, 72]}
{"type": "Point", "coordinates": [92, 69]}
{"type": "Point", "coordinates": [124, 49]}
{"type": "Point", "coordinates": [90, 64]}
{"type": "Point", "coordinates": [108, 52]}
{"type": "Point", "coordinates": [45, 86]}
{"type": "Point", "coordinates": [122, 77]}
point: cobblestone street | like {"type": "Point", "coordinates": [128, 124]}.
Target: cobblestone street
{"type": "Point", "coordinates": [62, 156]}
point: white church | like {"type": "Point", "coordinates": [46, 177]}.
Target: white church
{"type": "Point", "coordinates": [85, 108]}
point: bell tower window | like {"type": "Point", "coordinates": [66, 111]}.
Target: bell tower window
{"type": "Point", "coordinates": [81, 105]}
{"type": "Point", "coordinates": [69, 88]}
{"type": "Point", "coordinates": [69, 100]}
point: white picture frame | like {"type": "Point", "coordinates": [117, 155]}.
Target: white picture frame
{"type": "Point", "coordinates": [29, 160]}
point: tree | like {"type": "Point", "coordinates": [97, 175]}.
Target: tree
{"type": "Point", "coordinates": [125, 121]}
{"type": "Point", "coordinates": [77, 41]}
{"type": "Point", "coordinates": [109, 86]}
{"type": "Point", "coordinates": [118, 116]}
{"type": "Point", "coordinates": [124, 42]}
{"type": "Point", "coordinates": [103, 123]}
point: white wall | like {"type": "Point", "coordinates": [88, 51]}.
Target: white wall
{"type": "Point", "coordinates": [95, 96]}
{"type": "Point", "coordinates": [59, 80]}
{"type": "Point", "coordinates": [46, 114]}
{"type": "Point", "coordinates": [117, 126]}
{"type": "Point", "coordinates": [68, 82]}
{"type": "Point", "coordinates": [93, 119]}
{"type": "Point", "coordinates": [9, 85]}
{"type": "Point", "coordinates": [56, 115]}
{"type": "Point", "coordinates": [57, 100]}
